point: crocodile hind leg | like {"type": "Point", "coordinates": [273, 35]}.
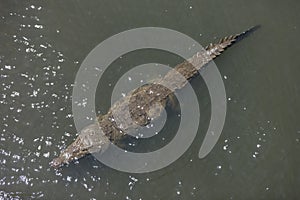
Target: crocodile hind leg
{"type": "Point", "coordinates": [173, 102]}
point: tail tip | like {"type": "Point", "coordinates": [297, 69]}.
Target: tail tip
{"type": "Point", "coordinates": [247, 32]}
{"type": "Point", "coordinates": [253, 28]}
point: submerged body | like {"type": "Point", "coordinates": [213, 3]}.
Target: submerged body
{"type": "Point", "coordinates": [113, 126]}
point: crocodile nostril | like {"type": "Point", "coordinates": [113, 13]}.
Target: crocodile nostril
{"type": "Point", "coordinates": [55, 162]}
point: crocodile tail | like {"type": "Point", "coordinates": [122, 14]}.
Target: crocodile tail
{"type": "Point", "coordinates": [216, 49]}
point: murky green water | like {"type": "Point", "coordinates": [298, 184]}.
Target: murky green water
{"type": "Point", "coordinates": [42, 45]}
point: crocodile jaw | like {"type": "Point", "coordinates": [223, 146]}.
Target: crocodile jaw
{"type": "Point", "coordinates": [90, 140]}
{"type": "Point", "coordinates": [67, 156]}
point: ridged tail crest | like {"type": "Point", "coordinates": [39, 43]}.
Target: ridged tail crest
{"type": "Point", "coordinates": [216, 49]}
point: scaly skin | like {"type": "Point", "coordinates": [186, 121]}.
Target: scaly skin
{"type": "Point", "coordinates": [141, 103]}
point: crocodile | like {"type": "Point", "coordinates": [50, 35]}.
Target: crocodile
{"type": "Point", "coordinates": [141, 102]}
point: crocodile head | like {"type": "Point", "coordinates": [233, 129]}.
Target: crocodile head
{"type": "Point", "coordinates": [91, 139]}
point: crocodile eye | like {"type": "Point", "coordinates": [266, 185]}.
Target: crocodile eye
{"type": "Point", "coordinates": [67, 155]}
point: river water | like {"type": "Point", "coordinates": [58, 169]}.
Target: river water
{"type": "Point", "coordinates": [43, 44]}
